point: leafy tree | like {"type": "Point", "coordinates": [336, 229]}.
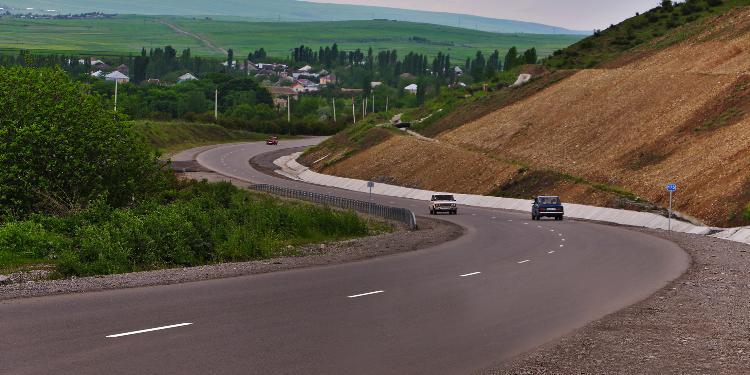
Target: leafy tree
{"type": "Point", "coordinates": [511, 59]}
{"type": "Point", "coordinates": [478, 67]}
{"type": "Point", "coordinates": [230, 59]}
{"type": "Point", "coordinates": [530, 56]}
{"type": "Point", "coordinates": [60, 150]}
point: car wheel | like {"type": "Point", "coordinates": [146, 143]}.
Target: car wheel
{"type": "Point", "coordinates": [561, 218]}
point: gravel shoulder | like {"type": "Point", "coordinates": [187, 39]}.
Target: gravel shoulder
{"type": "Point", "coordinates": [699, 324]}
{"type": "Point", "coordinates": [432, 232]}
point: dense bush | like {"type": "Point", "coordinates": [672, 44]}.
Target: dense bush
{"type": "Point", "coordinates": [196, 223]}
{"type": "Point", "coordinates": [59, 149]}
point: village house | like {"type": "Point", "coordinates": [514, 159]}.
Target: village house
{"type": "Point", "coordinates": [412, 89]}
{"type": "Point", "coordinates": [328, 80]}
{"type": "Point", "coordinates": [186, 77]}
{"type": "Point", "coordinates": [123, 69]}
{"type": "Point", "coordinates": [308, 86]}
{"type": "Point", "coordinates": [117, 77]}
{"type": "Point", "coordinates": [281, 94]}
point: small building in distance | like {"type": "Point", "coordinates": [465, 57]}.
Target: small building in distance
{"type": "Point", "coordinates": [124, 69]}
{"type": "Point", "coordinates": [186, 77]}
{"type": "Point", "coordinates": [412, 89]}
{"type": "Point", "coordinates": [117, 77]}
{"type": "Point", "coordinates": [328, 79]}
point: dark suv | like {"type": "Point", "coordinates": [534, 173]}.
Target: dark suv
{"type": "Point", "coordinates": [547, 206]}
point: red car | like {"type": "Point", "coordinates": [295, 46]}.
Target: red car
{"type": "Point", "coordinates": [272, 141]}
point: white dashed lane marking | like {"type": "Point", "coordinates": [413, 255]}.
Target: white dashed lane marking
{"type": "Point", "coordinates": [551, 252]}
{"type": "Point", "coordinates": [366, 294]}
{"type": "Point", "coordinates": [148, 330]}
{"type": "Point", "coordinates": [470, 274]}
{"type": "Point", "coordinates": [524, 261]}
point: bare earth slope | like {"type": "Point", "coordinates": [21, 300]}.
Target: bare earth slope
{"type": "Point", "coordinates": [679, 114]}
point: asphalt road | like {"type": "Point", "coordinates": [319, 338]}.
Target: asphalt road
{"type": "Point", "coordinates": [507, 286]}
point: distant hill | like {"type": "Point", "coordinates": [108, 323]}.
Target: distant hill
{"type": "Point", "coordinates": [283, 10]}
{"type": "Point", "coordinates": [128, 34]}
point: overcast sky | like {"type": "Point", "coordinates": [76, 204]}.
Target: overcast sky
{"type": "Point", "coordinates": [572, 14]}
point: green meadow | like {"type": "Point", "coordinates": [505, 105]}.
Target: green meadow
{"type": "Point", "coordinates": [206, 37]}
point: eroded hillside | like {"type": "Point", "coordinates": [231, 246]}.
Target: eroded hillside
{"type": "Point", "coordinates": [677, 114]}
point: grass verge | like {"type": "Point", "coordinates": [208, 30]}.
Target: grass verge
{"type": "Point", "coordinates": [195, 223]}
{"type": "Point", "coordinates": [173, 136]}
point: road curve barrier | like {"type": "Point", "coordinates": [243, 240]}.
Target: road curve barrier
{"type": "Point", "coordinates": [402, 215]}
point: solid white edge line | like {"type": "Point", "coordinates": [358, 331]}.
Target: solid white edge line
{"type": "Point", "coordinates": [148, 330]}
{"type": "Point", "coordinates": [366, 294]}
{"type": "Point", "coordinates": [524, 261]}
{"type": "Point", "coordinates": [470, 274]}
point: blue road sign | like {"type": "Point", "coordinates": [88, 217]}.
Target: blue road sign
{"type": "Point", "coordinates": [672, 187]}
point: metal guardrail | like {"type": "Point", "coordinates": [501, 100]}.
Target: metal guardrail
{"type": "Point", "coordinates": [391, 213]}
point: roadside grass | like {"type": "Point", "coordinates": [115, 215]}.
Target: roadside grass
{"type": "Point", "coordinates": [655, 29]}
{"type": "Point", "coordinates": [172, 136]}
{"type": "Point", "coordinates": [195, 223]}
{"type": "Point", "coordinates": [531, 183]}
{"type": "Point", "coordinates": [464, 106]}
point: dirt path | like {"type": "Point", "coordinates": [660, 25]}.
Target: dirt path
{"type": "Point", "coordinates": [200, 38]}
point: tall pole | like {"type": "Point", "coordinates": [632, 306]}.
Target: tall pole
{"type": "Point", "coordinates": [289, 109]}
{"type": "Point", "coordinates": [354, 111]}
{"type": "Point", "coordinates": [334, 109]}
{"type": "Point", "coordinates": [386, 104]}
{"type": "Point", "coordinates": [216, 104]}
{"type": "Point", "coordinates": [669, 221]}
{"type": "Point", "coordinates": [116, 84]}
{"type": "Point", "coordinates": [373, 102]}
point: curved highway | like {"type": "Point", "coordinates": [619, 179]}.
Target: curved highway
{"type": "Point", "coordinates": [510, 284]}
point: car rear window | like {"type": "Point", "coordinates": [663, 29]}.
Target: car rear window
{"type": "Point", "coordinates": [549, 200]}
{"type": "Point", "coordinates": [443, 198]}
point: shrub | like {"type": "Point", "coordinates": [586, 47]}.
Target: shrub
{"type": "Point", "coordinates": [59, 149]}
{"type": "Point", "coordinates": [31, 240]}
{"type": "Point", "coordinates": [202, 223]}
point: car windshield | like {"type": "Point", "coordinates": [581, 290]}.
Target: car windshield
{"type": "Point", "coordinates": [443, 198]}
{"type": "Point", "coordinates": [549, 200]}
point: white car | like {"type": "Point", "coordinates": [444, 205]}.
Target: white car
{"type": "Point", "coordinates": [443, 203]}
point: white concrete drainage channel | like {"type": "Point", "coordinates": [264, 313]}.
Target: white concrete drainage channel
{"type": "Point", "coordinates": [292, 169]}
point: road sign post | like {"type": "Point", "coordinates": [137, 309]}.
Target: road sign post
{"type": "Point", "coordinates": [370, 185]}
{"type": "Point", "coordinates": [671, 188]}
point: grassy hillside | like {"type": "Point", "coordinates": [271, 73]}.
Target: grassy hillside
{"type": "Point", "coordinates": [127, 34]}
{"type": "Point", "coordinates": [649, 31]}
{"type": "Point", "coordinates": [169, 137]}
{"type": "Point", "coordinates": [675, 109]}
{"type": "Point", "coordinates": [283, 10]}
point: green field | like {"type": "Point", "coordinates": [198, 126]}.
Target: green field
{"type": "Point", "coordinates": [127, 34]}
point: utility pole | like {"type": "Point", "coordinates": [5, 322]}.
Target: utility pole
{"type": "Point", "coordinates": [116, 84]}
{"type": "Point", "coordinates": [354, 111]}
{"type": "Point", "coordinates": [216, 104]}
{"type": "Point", "coordinates": [289, 109]}
{"type": "Point", "coordinates": [386, 104]}
{"type": "Point", "coordinates": [373, 102]}
{"type": "Point", "coordinates": [334, 109]}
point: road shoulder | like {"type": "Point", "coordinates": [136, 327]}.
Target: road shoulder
{"type": "Point", "coordinates": [432, 232]}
